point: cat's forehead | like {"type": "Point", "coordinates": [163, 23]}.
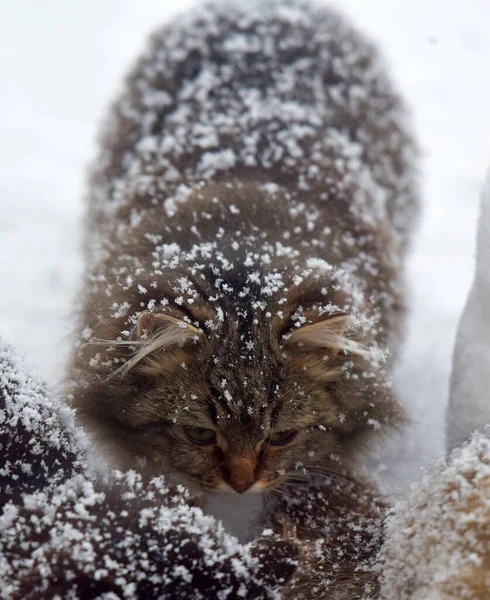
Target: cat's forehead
{"type": "Point", "coordinates": [254, 295]}
{"type": "Point", "coordinates": [236, 261]}
{"type": "Point", "coordinates": [253, 413]}
{"type": "Point", "coordinates": [253, 393]}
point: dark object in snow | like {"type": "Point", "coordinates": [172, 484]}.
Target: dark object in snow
{"type": "Point", "coordinates": [83, 542]}
{"type": "Point", "coordinates": [71, 537]}
{"type": "Point", "coordinates": [39, 443]}
{"type": "Point", "coordinates": [248, 218]}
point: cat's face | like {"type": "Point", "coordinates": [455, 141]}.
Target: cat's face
{"type": "Point", "coordinates": [244, 407]}
{"type": "Point", "coordinates": [221, 419]}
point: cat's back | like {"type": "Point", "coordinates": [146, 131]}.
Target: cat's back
{"type": "Point", "coordinates": [283, 91]}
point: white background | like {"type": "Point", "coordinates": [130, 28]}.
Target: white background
{"type": "Point", "coordinates": [61, 63]}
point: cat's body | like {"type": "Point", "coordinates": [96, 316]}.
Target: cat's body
{"type": "Point", "coordinates": [248, 217]}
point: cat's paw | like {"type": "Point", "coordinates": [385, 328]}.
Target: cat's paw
{"type": "Point", "coordinates": [278, 558]}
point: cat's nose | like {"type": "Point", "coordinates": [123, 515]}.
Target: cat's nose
{"type": "Point", "coordinates": [240, 473]}
{"type": "Point", "coordinates": [242, 486]}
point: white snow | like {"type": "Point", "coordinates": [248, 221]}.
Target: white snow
{"type": "Point", "coordinates": [61, 63]}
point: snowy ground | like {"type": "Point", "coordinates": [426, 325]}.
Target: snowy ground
{"type": "Point", "coordinates": [61, 63]}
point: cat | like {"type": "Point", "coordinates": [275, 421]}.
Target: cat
{"type": "Point", "coordinates": [248, 217]}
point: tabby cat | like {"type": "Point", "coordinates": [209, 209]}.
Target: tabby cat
{"type": "Point", "coordinates": [249, 213]}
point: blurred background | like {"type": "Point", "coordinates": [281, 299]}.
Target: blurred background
{"type": "Point", "coordinates": [61, 63]}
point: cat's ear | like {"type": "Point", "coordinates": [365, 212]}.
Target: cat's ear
{"type": "Point", "coordinates": [158, 331]}
{"type": "Point", "coordinates": [165, 326]}
{"type": "Point", "coordinates": [331, 333]}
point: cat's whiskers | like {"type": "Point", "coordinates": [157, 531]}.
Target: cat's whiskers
{"type": "Point", "coordinates": [199, 496]}
{"type": "Point", "coordinates": [325, 472]}
{"type": "Point", "coordinates": [281, 492]}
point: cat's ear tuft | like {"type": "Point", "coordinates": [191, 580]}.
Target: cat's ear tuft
{"type": "Point", "coordinates": [156, 332]}
{"type": "Point", "coordinates": [331, 333]}
{"type": "Point", "coordinates": [151, 323]}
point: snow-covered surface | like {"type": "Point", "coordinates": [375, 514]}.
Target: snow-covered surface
{"type": "Point", "coordinates": [469, 406]}
{"type": "Point", "coordinates": [80, 537]}
{"type": "Point", "coordinates": [39, 443]}
{"type": "Point", "coordinates": [61, 63]}
{"type": "Point", "coordinates": [437, 540]}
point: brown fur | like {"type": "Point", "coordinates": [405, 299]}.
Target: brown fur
{"type": "Point", "coordinates": [338, 525]}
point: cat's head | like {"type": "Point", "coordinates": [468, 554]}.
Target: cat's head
{"type": "Point", "coordinates": [231, 402]}
{"type": "Point", "coordinates": [236, 357]}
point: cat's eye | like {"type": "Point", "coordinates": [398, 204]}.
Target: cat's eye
{"type": "Point", "coordinates": [201, 435]}
{"type": "Point", "coordinates": [281, 438]}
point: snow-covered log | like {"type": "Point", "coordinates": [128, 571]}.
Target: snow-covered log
{"type": "Point", "coordinates": [469, 404]}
